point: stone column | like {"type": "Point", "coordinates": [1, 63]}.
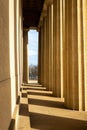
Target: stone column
{"type": "Point", "coordinates": [84, 51]}
{"type": "Point", "coordinates": [71, 98]}
{"type": "Point", "coordinates": [42, 56]}
{"type": "Point", "coordinates": [80, 55]}
{"type": "Point", "coordinates": [57, 49]}
{"type": "Point", "coordinates": [39, 57]}
{"type": "Point", "coordinates": [25, 57]}
{"type": "Point", "coordinates": [51, 47]}
{"type": "Point", "coordinates": [64, 48]}
{"type": "Point", "coordinates": [61, 49]}
{"type": "Point", "coordinates": [76, 26]}
{"type": "Point", "coordinates": [45, 49]}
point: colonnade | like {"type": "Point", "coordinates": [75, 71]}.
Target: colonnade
{"type": "Point", "coordinates": [63, 51]}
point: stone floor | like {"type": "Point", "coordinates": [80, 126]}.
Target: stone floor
{"type": "Point", "coordinates": [39, 110]}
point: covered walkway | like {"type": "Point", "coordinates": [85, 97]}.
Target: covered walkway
{"type": "Point", "coordinates": [39, 110]}
{"type": "Point", "coordinates": [61, 102]}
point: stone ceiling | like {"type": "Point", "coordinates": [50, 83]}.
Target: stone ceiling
{"type": "Point", "coordinates": [32, 12]}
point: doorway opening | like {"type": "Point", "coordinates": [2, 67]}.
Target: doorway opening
{"type": "Point", "coordinates": [33, 56]}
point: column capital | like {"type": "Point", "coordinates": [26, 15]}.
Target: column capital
{"type": "Point", "coordinates": [49, 2]}
{"type": "Point", "coordinates": [25, 29]}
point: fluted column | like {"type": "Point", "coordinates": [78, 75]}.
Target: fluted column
{"type": "Point", "coordinates": [57, 49]}
{"type": "Point", "coordinates": [71, 98]}
{"type": "Point", "coordinates": [25, 57]}
{"type": "Point", "coordinates": [84, 3]}
{"type": "Point", "coordinates": [76, 26]}
{"type": "Point", "coordinates": [80, 55]}
{"type": "Point", "coordinates": [42, 56]}
{"type": "Point", "coordinates": [46, 42]}
{"type": "Point", "coordinates": [51, 47]}
{"type": "Point", "coordinates": [39, 57]}
{"type": "Point", "coordinates": [45, 50]}
{"type": "Point", "coordinates": [61, 50]}
{"type": "Point", "coordinates": [64, 49]}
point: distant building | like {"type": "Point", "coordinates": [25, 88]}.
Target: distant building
{"type": "Point", "coordinates": [33, 72]}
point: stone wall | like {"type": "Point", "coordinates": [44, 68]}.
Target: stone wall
{"type": "Point", "coordinates": [10, 58]}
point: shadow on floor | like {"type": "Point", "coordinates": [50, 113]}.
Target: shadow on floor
{"type": "Point", "coordinates": [12, 125]}
{"type": "Point", "coordinates": [46, 122]}
{"type": "Point", "coordinates": [18, 100]}
{"type": "Point", "coordinates": [33, 85]}
{"type": "Point", "coordinates": [35, 88]}
{"type": "Point", "coordinates": [24, 95]}
{"type": "Point", "coordinates": [40, 94]}
{"type": "Point", "coordinates": [55, 104]}
{"type": "Point", "coordinates": [23, 110]}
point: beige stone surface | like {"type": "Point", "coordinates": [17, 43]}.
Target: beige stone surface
{"type": "Point", "coordinates": [49, 113]}
{"type": "Point", "coordinates": [5, 104]}
{"type": "Point", "coordinates": [9, 71]}
{"type": "Point", "coordinates": [63, 67]}
{"type": "Point", "coordinates": [23, 123]}
{"type": "Point", "coordinates": [4, 40]}
{"type": "Point", "coordinates": [12, 53]}
{"type": "Point", "coordinates": [5, 90]}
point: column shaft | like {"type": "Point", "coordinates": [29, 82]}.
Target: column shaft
{"type": "Point", "coordinates": [51, 48]}
{"type": "Point", "coordinates": [64, 50]}
{"type": "Point", "coordinates": [39, 57]}
{"type": "Point", "coordinates": [76, 20]}
{"type": "Point", "coordinates": [71, 39]}
{"type": "Point", "coordinates": [47, 47]}
{"type": "Point", "coordinates": [57, 49]}
{"type": "Point", "coordinates": [45, 50]}
{"type": "Point", "coordinates": [25, 57]}
{"type": "Point", "coordinates": [61, 49]}
{"type": "Point", "coordinates": [84, 10]}
{"type": "Point", "coordinates": [42, 57]}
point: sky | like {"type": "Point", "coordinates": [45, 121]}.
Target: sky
{"type": "Point", "coordinates": [33, 47]}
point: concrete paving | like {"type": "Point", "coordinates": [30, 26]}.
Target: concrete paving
{"type": "Point", "coordinates": [41, 111]}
